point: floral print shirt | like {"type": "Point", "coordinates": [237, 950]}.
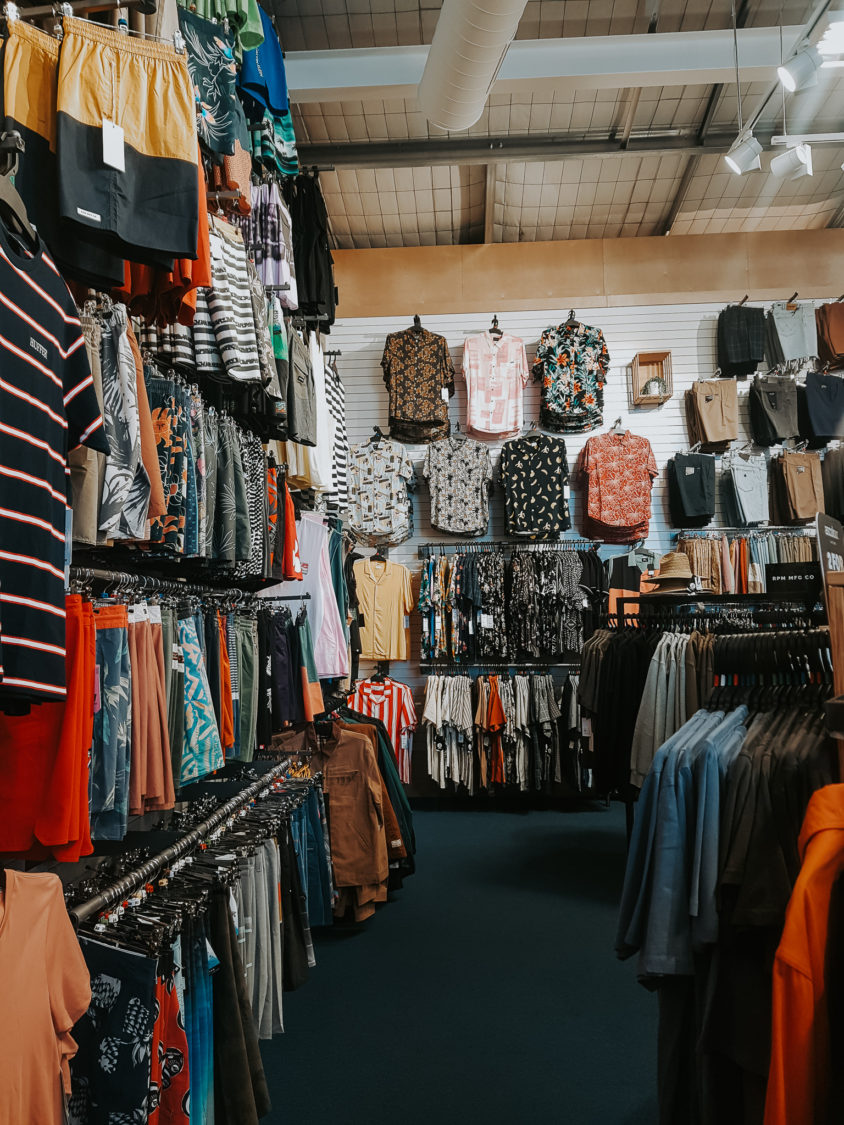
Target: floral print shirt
{"type": "Point", "coordinates": [419, 376]}
{"type": "Point", "coordinates": [459, 473]}
{"type": "Point", "coordinates": [620, 469]}
{"type": "Point", "coordinates": [572, 361]}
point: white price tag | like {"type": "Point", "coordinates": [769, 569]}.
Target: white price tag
{"type": "Point", "coordinates": [566, 492]}
{"type": "Point", "coordinates": [487, 621]}
{"type": "Point", "coordinates": [407, 621]}
{"type": "Point", "coordinates": [444, 393]}
{"type": "Point", "coordinates": [114, 145]}
{"type": "Point", "coordinates": [154, 614]}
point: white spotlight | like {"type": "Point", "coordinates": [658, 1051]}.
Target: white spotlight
{"type": "Point", "coordinates": [801, 70]}
{"type": "Point", "coordinates": [744, 155]}
{"type": "Point", "coordinates": [794, 164]}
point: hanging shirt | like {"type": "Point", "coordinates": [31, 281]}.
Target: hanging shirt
{"type": "Point", "coordinates": [620, 469]}
{"type": "Point", "coordinates": [385, 597]}
{"type": "Point", "coordinates": [572, 361]}
{"type": "Point", "coordinates": [496, 373]}
{"type": "Point", "coordinates": [459, 473]}
{"type": "Point", "coordinates": [46, 990]}
{"type": "Point", "coordinates": [47, 407]}
{"type": "Point", "coordinates": [392, 703]}
{"type": "Point", "coordinates": [380, 474]}
{"type": "Point", "coordinates": [534, 473]}
{"type": "Point", "coordinates": [419, 376]}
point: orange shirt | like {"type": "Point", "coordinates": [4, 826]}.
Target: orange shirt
{"type": "Point", "coordinates": [45, 988]}
{"type": "Point", "coordinates": [798, 1078]}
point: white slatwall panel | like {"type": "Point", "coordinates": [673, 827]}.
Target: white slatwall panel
{"type": "Point", "coordinates": [687, 330]}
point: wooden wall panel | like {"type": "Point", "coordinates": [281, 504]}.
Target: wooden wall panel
{"type": "Point", "coordinates": [590, 272]}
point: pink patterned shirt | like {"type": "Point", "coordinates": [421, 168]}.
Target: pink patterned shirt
{"type": "Point", "coordinates": [496, 373]}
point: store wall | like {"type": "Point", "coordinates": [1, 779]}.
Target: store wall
{"type": "Point", "coordinates": [688, 330]}
{"type": "Point", "coordinates": [767, 265]}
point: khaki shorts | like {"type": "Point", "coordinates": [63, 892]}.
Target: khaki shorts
{"type": "Point", "coordinates": [804, 484]}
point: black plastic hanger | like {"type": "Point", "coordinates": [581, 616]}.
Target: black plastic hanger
{"type": "Point", "coordinates": [495, 330]}
{"type": "Point", "coordinates": [417, 323]}
{"type": "Point", "coordinates": [11, 144]}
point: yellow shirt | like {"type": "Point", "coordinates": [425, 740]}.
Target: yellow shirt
{"type": "Point", "coordinates": [384, 596]}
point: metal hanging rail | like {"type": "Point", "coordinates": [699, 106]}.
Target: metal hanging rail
{"type": "Point", "coordinates": [123, 886]}
{"type": "Point", "coordinates": [425, 550]}
{"type": "Point", "coordinates": [146, 584]}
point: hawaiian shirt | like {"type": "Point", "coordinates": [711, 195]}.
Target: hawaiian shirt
{"type": "Point", "coordinates": [380, 474]}
{"type": "Point", "coordinates": [534, 472]}
{"type": "Point", "coordinates": [459, 473]}
{"type": "Point", "coordinates": [620, 471]}
{"type": "Point", "coordinates": [496, 372]}
{"type": "Point", "coordinates": [572, 361]}
{"type": "Point", "coordinates": [419, 376]}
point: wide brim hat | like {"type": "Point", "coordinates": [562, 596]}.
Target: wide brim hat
{"type": "Point", "coordinates": [675, 574]}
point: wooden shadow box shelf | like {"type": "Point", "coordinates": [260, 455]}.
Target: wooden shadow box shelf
{"type": "Point", "coordinates": [652, 380]}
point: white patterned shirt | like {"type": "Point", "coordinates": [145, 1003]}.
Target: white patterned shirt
{"type": "Point", "coordinates": [496, 373]}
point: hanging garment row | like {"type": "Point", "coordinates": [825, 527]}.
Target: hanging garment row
{"type": "Point", "coordinates": [179, 476]}
{"type": "Point", "coordinates": [103, 229]}
{"type": "Point", "coordinates": [480, 606]}
{"type": "Point", "coordinates": [639, 685]}
{"type": "Point", "coordinates": [186, 980]}
{"type": "Point", "coordinates": [733, 563]}
{"type": "Point", "coordinates": [160, 692]}
{"type": "Point", "coordinates": [372, 839]}
{"type": "Point", "coordinates": [522, 731]}
{"type": "Point", "coordinates": [708, 879]}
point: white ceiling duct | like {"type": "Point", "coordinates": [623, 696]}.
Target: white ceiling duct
{"type": "Point", "coordinates": [469, 45]}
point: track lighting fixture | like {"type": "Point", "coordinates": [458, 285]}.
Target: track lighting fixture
{"type": "Point", "coordinates": [793, 164]}
{"type": "Point", "coordinates": [744, 155]}
{"type": "Point", "coordinates": [801, 70]}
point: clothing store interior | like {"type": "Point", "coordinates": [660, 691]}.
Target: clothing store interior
{"type": "Point", "coordinates": [422, 562]}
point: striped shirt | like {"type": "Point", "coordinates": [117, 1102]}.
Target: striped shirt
{"type": "Point", "coordinates": [392, 703]}
{"type": "Point", "coordinates": [336, 395]}
{"type": "Point", "coordinates": [47, 407]}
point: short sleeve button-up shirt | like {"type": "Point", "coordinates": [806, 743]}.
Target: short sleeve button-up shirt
{"type": "Point", "coordinates": [620, 471]}
{"type": "Point", "coordinates": [572, 361]}
{"type": "Point", "coordinates": [380, 474]}
{"type": "Point", "coordinates": [534, 472]}
{"type": "Point", "coordinates": [459, 473]}
{"type": "Point", "coordinates": [496, 372]}
{"type": "Point", "coordinates": [419, 376]}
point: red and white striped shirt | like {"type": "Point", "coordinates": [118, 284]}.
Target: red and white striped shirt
{"type": "Point", "coordinates": [392, 703]}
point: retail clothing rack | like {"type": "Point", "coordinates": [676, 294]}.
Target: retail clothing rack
{"type": "Point", "coordinates": [140, 876]}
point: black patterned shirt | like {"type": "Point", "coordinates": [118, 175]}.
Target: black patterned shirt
{"type": "Point", "coordinates": [459, 473]}
{"type": "Point", "coordinates": [534, 473]}
{"type": "Point", "coordinates": [419, 376]}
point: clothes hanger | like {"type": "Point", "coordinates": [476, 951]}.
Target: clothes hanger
{"type": "Point", "coordinates": [494, 330]}
{"type": "Point", "coordinates": [572, 320]}
{"type": "Point", "coordinates": [11, 145]}
{"type": "Point", "coordinates": [417, 323]}
{"type": "Point", "coordinates": [457, 434]}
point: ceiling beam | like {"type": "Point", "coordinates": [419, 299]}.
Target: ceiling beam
{"type": "Point", "coordinates": [506, 150]}
{"type": "Point", "coordinates": [489, 204]}
{"type": "Point", "coordinates": [607, 62]}
{"type": "Point", "coordinates": [679, 195]}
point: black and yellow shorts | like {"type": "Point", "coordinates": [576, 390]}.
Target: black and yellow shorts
{"type": "Point", "coordinates": [145, 88]}
{"type": "Point", "coordinates": [30, 74]}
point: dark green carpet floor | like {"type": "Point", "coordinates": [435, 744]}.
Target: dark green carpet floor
{"type": "Point", "coordinates": [486, 991]}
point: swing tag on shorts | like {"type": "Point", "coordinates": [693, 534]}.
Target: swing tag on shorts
{"type": "Point", "coordinates": [114, 154]}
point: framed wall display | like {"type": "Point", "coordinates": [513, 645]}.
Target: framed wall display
{"type": "Point", "coordinates": [652, 381]}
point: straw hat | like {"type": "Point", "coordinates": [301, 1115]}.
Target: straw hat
{"type": "Point", "coordinates": [675, 574]}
